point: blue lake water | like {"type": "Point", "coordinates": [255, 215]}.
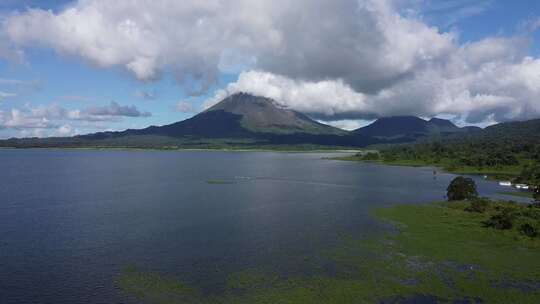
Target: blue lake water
{"type": "Point", "coordinates": [70, 221]}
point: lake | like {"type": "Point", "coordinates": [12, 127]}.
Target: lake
{"type": "Point", "coordinates": [72, 220]}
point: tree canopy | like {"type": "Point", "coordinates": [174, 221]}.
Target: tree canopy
{"type": "Point", "coordinates": [461, 188]}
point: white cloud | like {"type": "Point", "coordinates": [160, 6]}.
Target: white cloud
{"type": "Point", "coordinates": [308, 39]}
{"type": "Point", "coordinates": [147, 37]}
{"type": "Point", "coordinates": [54, 117]}
{"type": "Point", "coordinates": [347, 124]}
{"type": "Point", "coordinates": [8, 51]}
{"type": "Point", "coordinates": [326, 98]}
{"type": "Point", "coordinates": [17, 119]}
{"type": "Point", "coordinates": [65, 130]}
{"type": "Point", "coordinates": [5, 95]}
{"type": "Point", "coordinates": [107, 112]}
{"type": "Point", "coordinates": [487, 80]}
{"type": "Point", "coordinates": [184, 107]}
{"type": "Point", "coordinates": [342, 59]}
{"type": "Point", "coordinates": [448, 12]}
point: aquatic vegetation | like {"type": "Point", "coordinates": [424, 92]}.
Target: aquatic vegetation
{"type": "Point", "coordinates": [220, 182]}
{"type": "Point", "coordinates": [439, 252]}
{"type": "Point", "coordinates": [155, 288]}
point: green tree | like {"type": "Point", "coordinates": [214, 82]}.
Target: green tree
{"type": "Point", "coordinates": [371, 156]}
{"type": "Point", "coordinates": [461, 188]}
{"type": "Point", "coordinates": [531, 175]}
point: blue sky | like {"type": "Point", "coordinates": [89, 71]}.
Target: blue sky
{"type": "Point", "coordinates": [46, 73]}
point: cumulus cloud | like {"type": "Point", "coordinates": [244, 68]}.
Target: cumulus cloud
{"type": "Point", "coordinates": [488, 80]}
{"type": "Point", "coordinates": [17, 119]}
{"type": "Point", "coordinates": [363, 42]}
{"type": "Point", "coordinates": [147, 37]}
{"type": "Point", "coordinates": [336, 60]}
{"type": "Point", "coordinates": [55, 117]}
{"type": "Point", "coordinates": [329, 98]}
{"type": "Point", "coordinates": [107, 112]}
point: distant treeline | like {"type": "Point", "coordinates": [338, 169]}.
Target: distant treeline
{"type": "Point", "coordinates": [470, 153]}
{"type": "Point", "coordinates": [510, 148]}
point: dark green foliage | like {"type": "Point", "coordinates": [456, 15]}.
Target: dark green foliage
{"type": "Point", "coordinates": [508, 215]}
{"type": "Point", "coordinates": [461, 188]}
{"type": "Point", "coordinates": [479, 205]}
{"type": "Point", "coordinates": [372, 156]}
{"type": "Point", "coordinates": [529, 229]}
{"type": "Point", "coordinates": [388, 157]}
{"type": "Point", "coordinates": [504, 219]}
{"type": "Point", "coordinates": [536, 153]}
{"type": "Point", "coordinates": [501, 148]}
{"type": "Point", "coordinates": [531, 175]}
{"type": "Point", "coordinates": [465, 152]}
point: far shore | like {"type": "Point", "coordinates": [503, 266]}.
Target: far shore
{"type": "Point", "coordinates": [291, 150]}
{"type": "Point", "coordinates": [493, 173]}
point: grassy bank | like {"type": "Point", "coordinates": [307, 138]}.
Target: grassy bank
{"type": "Point", "coordinates": [439, 252]}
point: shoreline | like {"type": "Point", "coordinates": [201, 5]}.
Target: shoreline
{"type": "Point", "coordinates": [330, 150]}
{"type": "Point", "coordinates": [491, 173]}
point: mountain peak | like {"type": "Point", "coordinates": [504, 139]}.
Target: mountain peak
{"type": "Point", "coordinates": [262, 114]}
{"type": "Point", "coordinates": [395, 126]}
{"type": "Point", "coordinates": [241, 103]}
{"type": "Point", "coordinates": [409, 127]}
{"type": "Point", "coordinates": [445, 123]}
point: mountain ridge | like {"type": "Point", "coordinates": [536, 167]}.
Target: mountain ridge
{"type": "Point", "coordinates": [410, 127]}
{"type": "Point", "coordinates": [244, 120]}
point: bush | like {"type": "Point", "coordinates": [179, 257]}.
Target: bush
{"type": "Point", "coordinates": [461, 188]}
{"type": "Point", "coordinates": [529, 229]}
{"type": "Point", "coordinates": [504, 219]}
{"type": "Point", "coordinates": [371, 156]}
{"type": "Point", "coordinates": [479, 205]}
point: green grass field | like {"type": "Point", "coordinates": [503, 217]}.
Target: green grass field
{"type": "Point", "coordinates": [439, 251]}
